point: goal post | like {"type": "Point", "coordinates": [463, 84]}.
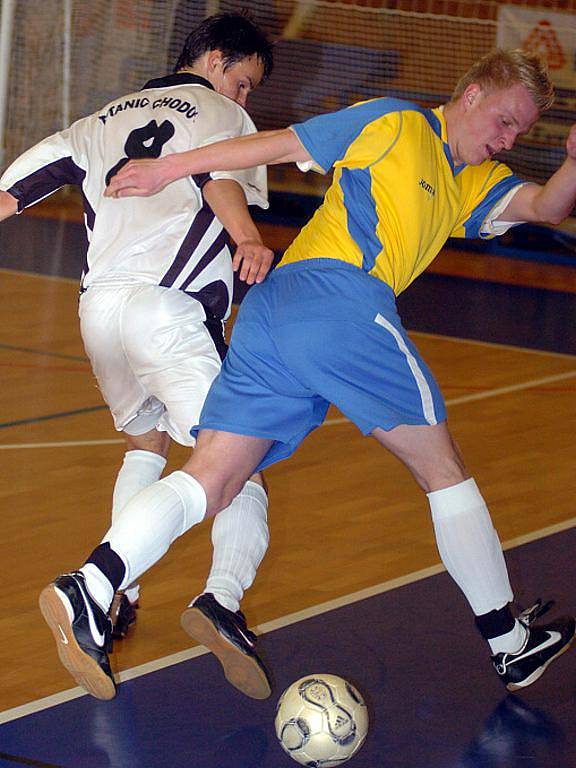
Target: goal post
{"type": "Point", "coordinates": [6, 28]}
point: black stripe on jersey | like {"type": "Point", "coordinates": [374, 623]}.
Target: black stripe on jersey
{"type": "Point", "coordinates": [221, 241]}
{"type": "Point", "coordinates": [43, 181]}
{"type": "Point", "coordinates": [214, 297]}
{"type": "Point", "coordinates": [215, 328]}
{"type": "Point", "coordinates": [89, 222]}
{"type": "Point", "coordinates": [89, 211]}
{"type": "Point", "coordinates": [199, 227]}
{"type": "Point", "coordinates": [201, 178]}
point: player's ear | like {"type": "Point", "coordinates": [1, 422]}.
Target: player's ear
{"type": "Point", "coordinates": [471, 94]}
{"type": "Point", "coordinates": [215, 61]}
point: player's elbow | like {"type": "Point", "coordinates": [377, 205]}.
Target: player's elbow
{"type": "Point", "coordinates": [555, 220]}
{"type": "Point", "coordinates": [548, 211]}
{"type": "Point", "coordinates": [543, 214]}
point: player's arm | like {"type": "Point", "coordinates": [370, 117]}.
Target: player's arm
{"type": "Point", "coordinates": [147, 177]}
{"type": "Point", "coordinates": [228, 201]}
{"type": "Point", "coordinates": [40, 171]}
{"type": "Point", "coordinates": [8, 205]}
{"type": "Point", "coordinates": [552, 202]}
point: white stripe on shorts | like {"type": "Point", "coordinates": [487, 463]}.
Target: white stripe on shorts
{"type": "Point", "coordinates": [421, 383]}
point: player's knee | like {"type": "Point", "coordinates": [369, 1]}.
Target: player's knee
{"type": "Point", "coordinates": [440, 472]}
{"type": "Point", "coordinates": [220, 491]}
{"type": "Point", "coordinates": [224, 496]}
{"type": "Point", "coordinates": [154, 441]}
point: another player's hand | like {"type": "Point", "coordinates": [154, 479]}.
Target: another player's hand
{"type": "Point", "coordinates": [140, 178]}
{"type": "Point", "coordinates": [254, 260]}
{"type": "Point", "coordinates": [8, 205]}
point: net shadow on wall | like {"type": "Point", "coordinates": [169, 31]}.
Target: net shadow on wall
{"type": "Point", "coordinates": [189, 13]}
{"type": "Point", "coordinates": [310, 77]}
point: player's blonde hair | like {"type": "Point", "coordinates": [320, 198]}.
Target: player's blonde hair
{"type": "Point", "coordinates": [501, 69]}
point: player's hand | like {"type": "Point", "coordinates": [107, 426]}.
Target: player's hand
{"type": "Point", "coordinates": [140, 178]}
{"type": "Point", "coordinates": [254, 260]}
{"type": "Point", "coordinates": [571, 143]}
{"type": "Point", "coordinates": [8, 205]}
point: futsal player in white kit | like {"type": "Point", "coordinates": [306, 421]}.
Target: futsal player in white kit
{"type": "Point", "coordinates": [155, 289]}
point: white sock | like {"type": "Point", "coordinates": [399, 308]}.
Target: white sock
{"type": "Point", "coordinates": [153, 519]}
{"type": "Point", "coordinates": [240, 539]}
{"type": "Point", "coordinates": [469, 546]}
{"type": "Point", "coordinates": [511, 642]}
{"type": "Point", "coordinates": [98, 586]}
{"type": "Point", "coordinates": [139, 470]}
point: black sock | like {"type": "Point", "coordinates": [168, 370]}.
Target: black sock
{"type": "Point", "coordinates": [495, 623]}
{"type": "Point", "coordinates": [107, 561]}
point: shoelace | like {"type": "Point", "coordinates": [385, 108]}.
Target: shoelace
{"type": "Point", "coordinates": [529, 615]}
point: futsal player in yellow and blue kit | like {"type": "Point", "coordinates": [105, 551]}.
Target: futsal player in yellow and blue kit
{"type": "Point", "coordinates": [323, 328]}
{"type": "Point", "coordinates": [331, 326]}
{"type": "Point", "coordinates": [378, 179]}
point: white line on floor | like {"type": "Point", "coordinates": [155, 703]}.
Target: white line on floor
{"type": "Point", "coordinates": [270, 626]}
{"type": "Point", "coordinates": [329, 422]}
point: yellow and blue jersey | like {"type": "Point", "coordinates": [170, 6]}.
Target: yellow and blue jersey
{"type": "Point", "coordinates": [396, 195]}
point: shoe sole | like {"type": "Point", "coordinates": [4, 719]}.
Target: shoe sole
{"type": "Point", "coordinates": [241, 671]}
{"type": "Point", "coordinates": [79, 664]}
{"type": "Point", "coordinates": [537, 674]}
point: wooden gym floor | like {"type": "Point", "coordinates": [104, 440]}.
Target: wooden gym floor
{"type": "Point", "coordinates": [345, 518]}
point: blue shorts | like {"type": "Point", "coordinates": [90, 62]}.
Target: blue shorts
{"type": "Point", "coordinates": [315, 333]}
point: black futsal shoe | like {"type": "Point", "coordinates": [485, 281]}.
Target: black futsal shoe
{"type": "Point", "coordinates": [122, 615]}
{"type": "Point", "coordinates": [543, 644]}
{"type": "Point", "coordinates": [84, 642]}
{"type": "Point", "coordinates": [225, 634]}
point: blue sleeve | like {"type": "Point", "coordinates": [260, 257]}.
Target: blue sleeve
{"type": "Point", "coordinates": [327, 137]}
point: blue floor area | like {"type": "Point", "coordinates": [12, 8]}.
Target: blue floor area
{"type": "Point", "coordinates": [433, 698]}
{"type": "Point", "coordinates": [504, 314]}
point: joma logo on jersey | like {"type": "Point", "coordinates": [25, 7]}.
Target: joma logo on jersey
{"type": "Point", "coordinates": [427, 187]}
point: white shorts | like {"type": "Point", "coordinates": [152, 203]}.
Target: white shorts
{"type": "Point", "coordinates": [152, 354]}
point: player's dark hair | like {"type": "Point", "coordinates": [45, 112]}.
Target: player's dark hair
{"type": "Point", "coordinates": [236, 35]}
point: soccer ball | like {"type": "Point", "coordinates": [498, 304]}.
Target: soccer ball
{"type": "Point", "coordinates": [321, 721]}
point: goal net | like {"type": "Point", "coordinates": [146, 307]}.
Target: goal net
{"type": "Point", "coordinates": [69, 57]}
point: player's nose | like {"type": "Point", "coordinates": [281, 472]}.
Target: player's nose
{"type": "Point", "coordinates": [509, 139]}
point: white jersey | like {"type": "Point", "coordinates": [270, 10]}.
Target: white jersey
{"type": "Point", "coordinates": [171, 239]}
